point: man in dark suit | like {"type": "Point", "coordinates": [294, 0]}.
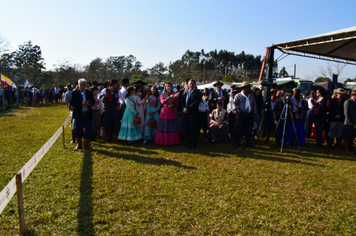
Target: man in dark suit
{"type": "Point", "coordinates": [218, 94]}
{"type": "Point", "coordinates": [190, 105]}
{"type": "Point", "coordinates": [81, 101]}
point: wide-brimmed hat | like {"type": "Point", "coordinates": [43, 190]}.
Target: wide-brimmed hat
{"type": "Point", "coordinates": [218, 82]}
{"type": "Point", "coordinates": [353, 92]}
{"type": "Point", "coordinates": [245, 84]}
{"type": "Point", "coordinates": [274, 89]}
{"type": "Point", "coordinates": [339, 90]}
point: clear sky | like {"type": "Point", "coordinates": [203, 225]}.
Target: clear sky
{"type": "Point", "coordinates": [163, 30]}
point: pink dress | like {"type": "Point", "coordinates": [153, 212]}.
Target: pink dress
{"type": "Point", "coordinates": [167, 128]}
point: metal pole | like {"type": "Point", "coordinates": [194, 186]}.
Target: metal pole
{"type": "Point", "coordinates": [20, 203]}
{"type": "Point", "coordinates": [295, 70]}
{"type": "Point", "coordinates": [3, 97]}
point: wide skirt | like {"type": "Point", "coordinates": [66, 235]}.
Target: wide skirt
{"type": "Point", "coordinates": [128, 130]}
{"type": "Point", "coordinates": [167, 128]}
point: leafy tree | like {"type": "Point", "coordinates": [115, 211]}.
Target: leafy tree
{"type": "Point", "coordinates": [229, 78]}
{"type": "Point", "coordinates": [28, 61]}
{"type": "Point", "coordinates": [322, 79]}
{"type": "Point", "coordinates": [283, 73]}
{"type": "Point", "coordinates": [136, 78]}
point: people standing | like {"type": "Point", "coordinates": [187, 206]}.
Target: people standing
{"type": "Point", "coordinates": [350, 122]}
{"type": "Point", "coordinates": [97, 110]}
{"type": "Point", "coordinates": [129, 131]}
{"type": "Point", "coordinates": [122, 93]}
{"type": "Point", "coordinates": [319, 116]}
{"type": "Point", "coordinates": [190, 104]}
{"type": "Point", "coordinates": [269, 114]}
{"type": "Point", "coordinates": [244, 107]}
{"type": "Point", "coordinates": [295, 126]}
{"type": "Point", "coordinates": [167, 128]}
{"type": "Point", "coordinates": [153, 107]}
{"type": "Point", "coordinates": [309, 117]}
{"type": "Point", "coordinates": [140, 102]}
{"type": "Point", "coordinates": [336, 118]}
{"type": "Point", "coordinates": [81, 100]}
{"type": "Point", "coordinates": [218, 94]}
{"type": "Point", "coordinates": [111, 103]}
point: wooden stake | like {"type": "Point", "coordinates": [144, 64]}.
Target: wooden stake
{"type": "Point", "coordinates": [64, 142]}
{"type": "Point", "coordinates": [20, 203]}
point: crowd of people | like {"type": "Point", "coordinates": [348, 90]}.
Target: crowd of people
{"type": "Point", "coordinates": [175, 114]}
{"type": "Point", "coordinates": [30, 95]}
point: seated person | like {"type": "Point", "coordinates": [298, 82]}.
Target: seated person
{"type": "Point", "coordinates": [219, 125]}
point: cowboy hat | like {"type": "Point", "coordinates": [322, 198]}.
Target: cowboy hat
{"type": "Point", "coordinates": [339, 90]}
{"type": "Point", "coordinates": [245, 84]}
{"type": "Point", "coordinates": [218, 82]}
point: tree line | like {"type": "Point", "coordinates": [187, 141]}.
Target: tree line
{"type": "Point", "coordinates": [27, 63]}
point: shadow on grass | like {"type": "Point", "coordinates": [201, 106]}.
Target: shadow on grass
{"type": "Point", "coordinates": [85, 213]}
{"type": "Point", "coordinates": [144, 159]}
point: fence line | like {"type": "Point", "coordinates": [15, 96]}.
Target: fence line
{"type": "Point", "coordinates": [10, 189]}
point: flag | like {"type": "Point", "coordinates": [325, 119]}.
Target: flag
{"type": "Point", "coordinates": [14, 86]}
{"type": "Point", "coordinates": [6, 81]}
{"type": "Point", "coordinates": [27, 84]}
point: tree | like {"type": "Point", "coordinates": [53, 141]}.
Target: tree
{"type": "Point", "coordinates": [3, 44]}
{"type": "Point", "coordinates": [322, 79]}
{"type": "Point", "coordinates": [283, 73]}
{"type": "Point", "coordinates": [331, 69]}
{"type": "Point", "coordinates": [28, 61]}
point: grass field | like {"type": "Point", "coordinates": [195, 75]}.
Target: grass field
{"type": "Point", "coordinates": [216, 189]}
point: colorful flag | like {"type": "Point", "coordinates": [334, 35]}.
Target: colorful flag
{"type": "Point", "coordinates": [6, 81]}
{"type": "Point", "coordinates": [14, 86]}
{"type": "Point", "coordinates": [27, 84]}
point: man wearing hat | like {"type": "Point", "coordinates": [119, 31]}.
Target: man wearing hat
{"type": "Point", "coordinates": [244, 106]}
{"type": "Point", "coordinates": [270, 113]}
{"type": "Point", "coordinates": [350, 122]}
{"type": "Point", "coordinates": [336, 117]}
{"type": "Point", "coordinates": [218, 94]}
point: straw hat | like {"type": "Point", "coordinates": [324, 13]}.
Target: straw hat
{"type": "Point", "coordinates": [274, 90]}
{"type": "Point", "coordinates": [353, 92]}
{"type": "Point", "coordinates": [339, 90]}
{"type": "Point", "coordinates": [245, 84]}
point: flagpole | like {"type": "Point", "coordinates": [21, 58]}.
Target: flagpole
{"type": "Point", "coordinates": [3, 97]}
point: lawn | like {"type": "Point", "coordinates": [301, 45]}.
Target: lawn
{"type": "Point", "coordinates": [145, 189]}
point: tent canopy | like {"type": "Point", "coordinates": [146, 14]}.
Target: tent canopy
{"type": "Point", "coordinates": [338, 46]}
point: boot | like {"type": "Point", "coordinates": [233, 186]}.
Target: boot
{"type": "Point", "coordinates": [116, 133]}
{"type": "Point", "coordinates": [73, 137]}
{"type": "Point", "coordinates": [109, 134]}
{"type": "Point", "coordinates": [86, 144]}
{"type": "Point", "coordinates": [79, 144]}
{"type": "Point", "coordinates": [348, 145]}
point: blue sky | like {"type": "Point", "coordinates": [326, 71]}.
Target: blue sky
{"type": "Point", "coordinates": [162, 31]}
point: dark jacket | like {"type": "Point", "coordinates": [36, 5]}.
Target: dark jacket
{"type": "Point", "coordinates": [278, 109]}
{"type": "Point", "coordinates": [336, 108]}
{"type": "Point", "coordinates": [76, 100]}
{"type": "Point", "coordinates": [191, 120]}
{"type": "Point", "coordinates": [350, 112]}
{"type": "Point", "coordinates": [213, 98]}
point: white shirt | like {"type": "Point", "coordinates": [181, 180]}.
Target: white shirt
{"type": "Point", "coordinates": [122, 93]}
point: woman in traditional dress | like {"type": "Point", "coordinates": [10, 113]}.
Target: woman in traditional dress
{"type": "Point", "coordinates": [219, 125]}
{"type": "Point", "coordinates": [167, 128]}
{"type": "Point", "coordinates": [319, 118]}
{"type": "Point", "coordinates": [297, 108]}
{"type": "Point", "coordinates": [140, 102]}
{"type": "Point", "coordinates": [153, 107]}
{"type": "Point", "coordinates": [128, 130]}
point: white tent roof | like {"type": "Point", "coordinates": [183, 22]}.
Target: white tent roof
{"type": "Point", "coordinates": [337, 46]}
{"type": "Point", "coordinates": [211, 85]}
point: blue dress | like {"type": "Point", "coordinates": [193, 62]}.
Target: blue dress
{"type": "Point", "coordinates": [128, 130]}
{"type": "Point", "coordinates": [150, 132]}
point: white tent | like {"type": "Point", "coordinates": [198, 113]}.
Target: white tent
{"type": "Point", "coordinates": [211, 85]}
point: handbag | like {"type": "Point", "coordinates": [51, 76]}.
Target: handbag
{"type": "Point", "coordinates": [152, 123]}
{"type": "Point", "coordinates": [137, 121]}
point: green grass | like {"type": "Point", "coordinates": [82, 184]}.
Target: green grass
{"type": "Point", "coordinates": [120, 189]}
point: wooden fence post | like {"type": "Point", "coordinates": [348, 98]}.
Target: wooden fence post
{"type": "Point", "coordinates": [20, 203]}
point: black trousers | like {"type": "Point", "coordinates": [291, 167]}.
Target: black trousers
{"type": "Point", "coordinates": [243, 128]}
